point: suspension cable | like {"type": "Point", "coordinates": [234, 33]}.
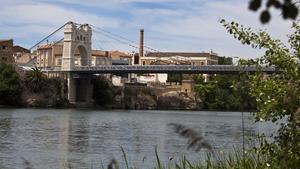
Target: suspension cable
{"type": "Point", "coordinates": [121, 37]}
{"type": "Point", "coordinates": [109, 36]}
{"type": "Point", "coordinates": [47, 37]}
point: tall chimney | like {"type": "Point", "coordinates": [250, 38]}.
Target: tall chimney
{"type": "Point", "coordinates": [141, 52]}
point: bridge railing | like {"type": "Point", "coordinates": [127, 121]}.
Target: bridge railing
{"type": "Point", "coordinates": [167, 69]}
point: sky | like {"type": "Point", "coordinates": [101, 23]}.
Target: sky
{"type": "Point", "coordinates": [170, 25]}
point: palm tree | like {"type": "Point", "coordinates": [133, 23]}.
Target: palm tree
{"type": "Point", "coordinates": [35, 80]}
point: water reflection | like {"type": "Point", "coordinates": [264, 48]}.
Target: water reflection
{"type": "Point", "coordinates": [81, 138]}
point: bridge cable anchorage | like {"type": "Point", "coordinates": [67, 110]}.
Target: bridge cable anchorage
{"type": "Point", "coordinates": [121, 37]}
{"type": "Point", "coordinates": [47, 37]}
{"type": "Point", "coordinates": [117, 39]}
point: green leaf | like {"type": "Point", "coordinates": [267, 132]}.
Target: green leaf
{"type": "Point", "coordinates": [254, 5]}
{"type": "Point", "coordinates": [289, 11]}
{"type": "Point", "coordinates": [265, 16]}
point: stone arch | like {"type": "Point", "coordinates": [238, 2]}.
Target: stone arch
{"type": "Point", "coordinates": [83, 55]}
{"type": "Point", "coordinates": [74, 41]}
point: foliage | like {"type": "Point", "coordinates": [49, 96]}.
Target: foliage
{"type": "Point", "coordinates": [195, 139]}
{"type": "Point", "coordinates": [225, 61]}
{"type": "Point", "coordinates": [56, 91]}
{"type": "Point", "coordinates": [10, 85]}
{"type": "Point", "coordinates": [277, 95]}
{"type": "Point", "coordinates": [35, 80]}
{"type": "Point", "coordinates": [288, 8]}
{"type": "Point", "coordinates": [226, 92]}
{"type": "Point", "coordinates": [198, 79]}
{"type": "Point", "coordinates": [103, 93]}
{"type": "Point", "coordinates": [174, 77]}
{"type": "Point", "coordinates": [219, 160]}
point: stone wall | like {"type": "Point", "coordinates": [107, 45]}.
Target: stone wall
{"type": "Point", "coordinates": [6, 51]}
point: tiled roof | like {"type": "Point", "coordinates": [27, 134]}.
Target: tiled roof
{"type": "Point", "coordinates": [47, 46]}
{"type": "Point", "coordinates": [116, 54]}
{"type": "Point", "coordinates": [20, 49]}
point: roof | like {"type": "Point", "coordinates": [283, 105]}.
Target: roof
{"type": "Point", "coordinates": [98, 53]}
{"type": "Point", "coordinates": [18, 48]}
{"type": "Point", "coordinates": [117, 54]}
{"type": "Point", "coordinates": [183, 54]}
{"type": "Point", "coordinates": [6, 40]}
{"type": "Point", "coordinates": [47, 46]}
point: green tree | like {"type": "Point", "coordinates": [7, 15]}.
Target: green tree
{"type": "Point", "coordinates": [10, 85]}
{"type": "Point", "coordinates": [103, 92]}
{"type": "Point", "coordinates": [226, 92]}
{"type": "Point", "coordinates": [277, 95]}
{"type": "Point", "coordinates": [174, 77]}
{"type": "Point", "coordinates": [225, 61]}
{"type": "Point", "coordinates": [35, 80]}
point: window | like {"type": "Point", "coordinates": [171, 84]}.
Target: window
{"type": "Point", "coordinates": [59, 62]}
{"type": "Point", "coordinates": [80, 37]}
{"type": "Point", "coordinates": [3, 47]}
{"type": "Point", "coordinates": [144, 62]}
{"type": "Point", "coordinates": [77, 38]}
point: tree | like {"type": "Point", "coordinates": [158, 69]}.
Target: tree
{"type": "Point", "coordinates": [277, 95]}
{"type": "Point", "coordinates": [289, 8]}
{"type": "Point", "coordinates": [226, 92]}
{"type": "Point", "coordinates": [35, 80]}
{"type": "Point", "coordinates": [10, 85]}
{"type": "Point", "coordinates": [103, 92]}
{"type": "Point", "coordinates": [225, 61]}
{"type": "Point", "coordinates": [174, 77]}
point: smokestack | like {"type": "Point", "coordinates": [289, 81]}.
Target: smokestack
{"type": "Point", "coordinates": [141, 52]}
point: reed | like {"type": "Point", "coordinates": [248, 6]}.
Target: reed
{"type": "Point", "coordinates": [195, 139]}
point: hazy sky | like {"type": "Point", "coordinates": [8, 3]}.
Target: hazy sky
{"type": "Point", "coordinates": [170, 25]}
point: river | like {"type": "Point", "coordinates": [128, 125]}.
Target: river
{"type": "Point", "coordinates": [83, 138]}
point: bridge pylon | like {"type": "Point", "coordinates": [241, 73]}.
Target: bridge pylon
{"type": "Point", "coordinates": [77, 49]}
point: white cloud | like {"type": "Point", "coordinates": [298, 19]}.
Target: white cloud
{"type": "Point", "coordinates": [197, 28]}
{"type": "Point", "coordinates": [185, 26]}
{"type": "Point", "coordinates": [36, 20]}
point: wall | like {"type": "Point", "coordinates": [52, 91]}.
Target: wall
{"type": "Point", "coordinates": [6, 51]}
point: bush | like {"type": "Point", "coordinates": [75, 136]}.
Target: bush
{"type": "Point", "coordinates": [277, 95]}
{"type": "Point", "coordinates": [10, 85]}
{"type": "Point", "coordinates": [103, 92]}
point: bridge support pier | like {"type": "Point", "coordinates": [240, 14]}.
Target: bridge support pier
{"type": "Point", "coordinates": [71, 89]}
{"type": "Point", "coordinates": [80, 89]}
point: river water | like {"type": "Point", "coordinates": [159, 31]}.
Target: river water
{"type": "Point", "coordinates": [82, 138]}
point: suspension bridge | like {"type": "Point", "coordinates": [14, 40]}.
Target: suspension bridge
{"type": "Point", "coordinates": [79, 37]}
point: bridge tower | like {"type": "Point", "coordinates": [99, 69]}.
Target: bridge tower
{"type": "Point", "coordinates": [77, 50]}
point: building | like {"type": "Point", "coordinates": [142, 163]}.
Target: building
{"type": "Point", "coordinates": [120, 58]}
{"type": "Point", "coordinates": [6, 51]}
{"type": "Point", "coordinates": [177, 58]}
{"type": "Point", "coordinates": [22, 55]}
{"type": "Point", "coordinates": [180, 58]}
{"type": "Point", "coordinates": [50, 55]}
{"type": "Point", "coordinates": [100, 58]}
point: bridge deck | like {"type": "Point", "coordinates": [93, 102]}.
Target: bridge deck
{"type": "Point", "coordinates": [189, 69]}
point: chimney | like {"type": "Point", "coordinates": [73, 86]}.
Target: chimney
{"type": "Point", "coordinates": [141, 52]}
